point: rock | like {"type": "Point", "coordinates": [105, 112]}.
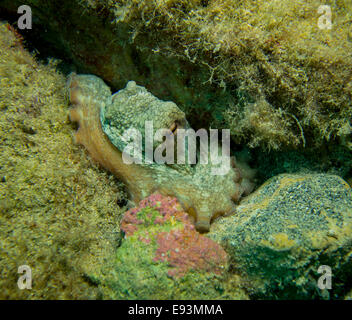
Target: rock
{"type": "Point", "coordinates": [162, 256]}
{"type": "Point", "coordinates": [285, 231]}
{"type": "Point", "coordinates": [188, 53]}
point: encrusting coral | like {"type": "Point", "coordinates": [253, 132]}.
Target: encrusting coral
{"type": "Point", "coordinates": [203, 194]}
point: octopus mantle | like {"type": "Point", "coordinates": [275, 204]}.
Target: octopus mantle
{"type": "Point", "coordinates": [203, 195]}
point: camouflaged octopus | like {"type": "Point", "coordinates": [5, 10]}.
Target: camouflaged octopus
{"type": "Point", "coordinates": [102, 119]}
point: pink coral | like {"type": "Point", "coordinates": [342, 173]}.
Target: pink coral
{"type": "Point", "coordinates": [182, 247]}
{"type": "Point", "coordinates": [187, 250]}
{"type": "Point", "coordinates": [167, 207]}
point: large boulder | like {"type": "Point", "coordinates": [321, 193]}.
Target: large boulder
{"type": "Point", "coordinates": [285, 231]}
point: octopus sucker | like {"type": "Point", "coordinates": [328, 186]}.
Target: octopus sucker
{"type": "Point", "coordinates": [102, 120]}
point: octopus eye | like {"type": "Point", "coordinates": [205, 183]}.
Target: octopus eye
{"type": "Point", "coordinates": [174, 127]}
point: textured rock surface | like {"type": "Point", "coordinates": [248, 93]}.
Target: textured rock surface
{"type": "Point", "coordinates": [284, 231]}
{"type": "Point", "coordinates": [163, 257]}
{"type": "Point", "coordinates": [58, 212]}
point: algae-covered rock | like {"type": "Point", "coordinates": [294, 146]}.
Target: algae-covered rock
{"type": "Point", "coordinates": [265, 69]}
{"type": "Point", "coordinates": [162, 256]}
{"type": "Point", "coordinates": [58, 212]}
{"type": "Point", "coordinates": [286, 230]}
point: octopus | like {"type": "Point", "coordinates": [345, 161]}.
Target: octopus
{"type": "Point", "coordinates": [103, 118]}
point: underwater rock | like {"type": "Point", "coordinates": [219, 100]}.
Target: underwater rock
{"type": "Point", "coordinates": [162, 256]}
{"type": "Point", "coordinates": [203, 194]}
{"type": "Point", "coordinates": [58, 213]}
{"type": "Point", "coordinates": [265, 70]}
{"type": "Point", "coordinates": [283, 232]}
{"type": "Point", "coordinates": [334, 160]}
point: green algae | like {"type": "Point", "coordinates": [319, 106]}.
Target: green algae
{"type": "Point", "coordinates": [297, 73]}
{"type": "Point", "coordinates": [58, 212]}
{"type": "Point", "coordinates": [206, 56]}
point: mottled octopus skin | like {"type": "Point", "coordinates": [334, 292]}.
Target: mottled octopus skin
{"type": "Point", "coordinates": [203, 195]}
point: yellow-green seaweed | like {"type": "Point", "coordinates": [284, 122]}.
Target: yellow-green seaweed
{"type": "Point", "coordinates": [58, 212]}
